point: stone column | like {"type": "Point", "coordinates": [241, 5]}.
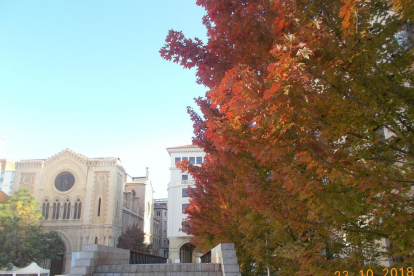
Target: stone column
{"type": "Point", "coordinates": [225, 254]}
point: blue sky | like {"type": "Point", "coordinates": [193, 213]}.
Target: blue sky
{"type": "Point", "coordinates": [87, 75]}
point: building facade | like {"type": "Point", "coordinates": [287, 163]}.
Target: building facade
{"type": "Point", "coordinates": [7, 168]}
{"type": "Point", "coordinates": [86, 200]}
{"type": "Point", "coordinates": [161, 213]}
{"type": "Point", "coordinates": [180, 249]}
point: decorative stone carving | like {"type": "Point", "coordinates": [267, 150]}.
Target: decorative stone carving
{"type": "Point", "coordinates": [27, 181]}
{"type": "Point", "coordinates": [100, 196]}
{"type": "Point", "coordinates": [29, 164]}
{"type": "Point", "coordinates": [64, 154]}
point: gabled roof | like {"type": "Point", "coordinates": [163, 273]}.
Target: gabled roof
{"type": "Point", "coordinates": [79, 157]}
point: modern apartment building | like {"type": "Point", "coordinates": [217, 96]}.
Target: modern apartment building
{"type": "Point", "coordinates": [180, 249]}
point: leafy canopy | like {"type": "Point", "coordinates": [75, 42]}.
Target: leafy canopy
{"type": "Point", "coordinates": [134, 239]}
{"type": "Point", "coordinates": [21, 235]}
{"type": "Point", "coordinates": [308, 130]}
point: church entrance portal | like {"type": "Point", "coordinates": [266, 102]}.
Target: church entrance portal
{"type": "Point", "coordinates": [186, 253]}
{"type": "Point", "coordinates": [57, 265]}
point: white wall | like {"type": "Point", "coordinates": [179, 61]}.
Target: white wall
{"type": "Point", "coordinates": [175, 198]}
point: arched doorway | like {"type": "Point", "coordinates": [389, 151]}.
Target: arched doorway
{"type": "Point", "coordinates": [186, 253]}
{"type": "Point", "coordinates": [61, 265]}
{"type": "Point", "coordinates": [57, 265]}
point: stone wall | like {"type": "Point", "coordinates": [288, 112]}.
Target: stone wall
{"type": "Point", "coordinates": [96, 254]}
{"type": "Point", "coordinates": [225, 254]}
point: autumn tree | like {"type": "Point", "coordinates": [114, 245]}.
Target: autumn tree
{"type": "Point", "coordinates": [308, 129]}
{"type": "Point", "coordinates": [134, 239]}
{"type": "Point", "coordinates": [22, 238]}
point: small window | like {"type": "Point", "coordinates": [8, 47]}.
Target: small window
{"type": "Point", "coordinates": [45, 209]}
{"type": "Point", "coordinates": [77, 209]}
{"type": "Point", "coordinates": [185, 206]}
{"type": "Point", "coordinates": [99, 207]}
{"type": "Point", "coordinates": [192, 160]}
{"type": "Point", "coordinates": [158, 213]}
{"type": "Point", "coordinates": [185, 192]}
{"type": "Point", "coordinates": [66, 209]}
{"type": "Point", "coordinates": [184, 177]}
{"type": "Point", "coordinates": [184, 226]}
{"type": "Point", "coordinates": [199, 160]}
{"type": "Point", "coordinates": [177, 159]}
{"type": "Point", "coordinates": [56, 209]}
{"type": "Point", "coordinates": [96, 240]}
{"type": "Point", "coordinates": [185, 158]}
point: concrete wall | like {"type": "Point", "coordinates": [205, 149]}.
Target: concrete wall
{"type": "Point", "coordinates": [225, 254]}
{"type": "Point", "coordinates": [94, 255]}
{"type": "Point", "coordinates": [103, 260]}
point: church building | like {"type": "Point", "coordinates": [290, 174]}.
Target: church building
{"type": "Point", "coordinates": [86, 200]}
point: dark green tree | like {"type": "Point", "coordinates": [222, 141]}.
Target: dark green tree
{"type": "Point", "coordinates": [22, 238]}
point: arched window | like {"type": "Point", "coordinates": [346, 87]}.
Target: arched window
{"type": "Point", "coordinates": [99, 207]}
{"type": "Point", "coordinates": [45, 209]}
{"type": "Point", "coordinates": [66, 209]}
{"type": "Point", "coordinates": [56, 209]}
{"type": "Point", "coordinates": [78, 208]}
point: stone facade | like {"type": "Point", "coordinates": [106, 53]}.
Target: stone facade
{"type": "Point", "coordinates": [161, 213]}
{"type": "Point", "coordinates": [84, 199]}
{"type": "Point", "coordinates": [178, 200]}
{"type": "Point", "coordinates": [141, 193]}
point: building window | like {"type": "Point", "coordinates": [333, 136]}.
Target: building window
{"type": "Point", "coordinates": [66, 209]}
{"type": "Point", "coordinates": [56, 209]}
{"type": "Point", "coordinates": [78, 208]}
{"type": "Point", "coordinates": [177, 159]}
{"type": "Point", "coordinates": [185, 206]}
{"type": "Point", "coordinates": [192, 160]}
{"type": "Point", "coordinates": [185, 226]}
{"type": "Point", "coordinates": [185, 192]}
{"type": "Point", "coordinates": [64, 181]}
{"type": "Point", "coordinates": [96, 240]}
{"type": "Point", "coordinates": [199, 160]}
{"type": "Point", "coordinates": [99, 207]}
{"type": "Point", "coordinates": [45, 209]}
{"type": "Point", "coordinates": [185, 158]}
{"type": "Point", "coordinates": [158, 213]}
{"type": "Point", "coordinates": [184, 177]}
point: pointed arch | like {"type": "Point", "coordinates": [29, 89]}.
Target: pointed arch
{"type": "Point", "coordinates": [66, 209]}
{"type": "Point", "coordinates": [45, 209]}
{"type": "Point", "coordinates": [56, 209]}
{"type": "Point", "coordinates": [77, 209]}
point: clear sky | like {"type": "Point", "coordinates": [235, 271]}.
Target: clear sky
{"type": "Point", "coordinates": [87, 75]}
